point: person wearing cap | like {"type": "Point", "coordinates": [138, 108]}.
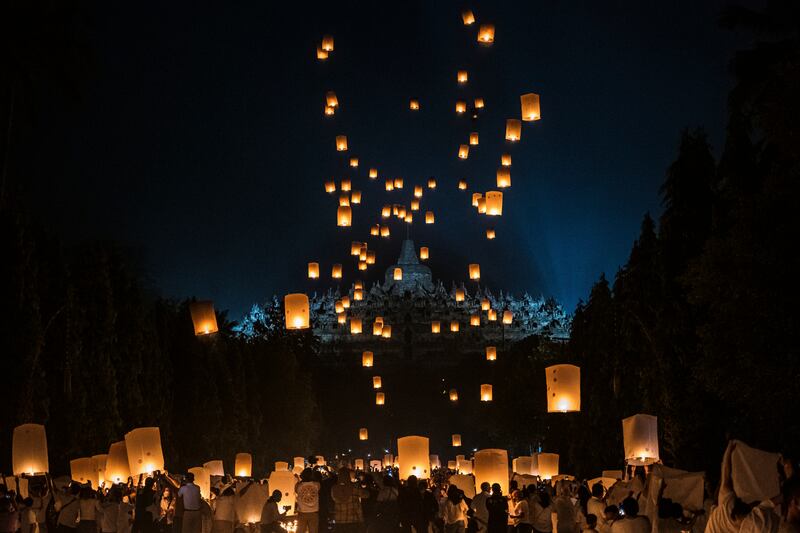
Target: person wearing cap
{"type": "Point", "coordinates": [189, 494]}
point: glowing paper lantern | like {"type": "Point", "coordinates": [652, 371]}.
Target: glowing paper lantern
{"type": "Point", "coordinates": [338, 307]}
{"type": "Point", "coordinates": [462, 185]}
{"type": "Point", "coordinates": [491, 466]}
{"type": "Point", "coordinates": [640, 436]}
{"type": "Point", "coordinates": [523, 465]}
{"type": "Point", "coordinates": [358, 464]}
{"type": "Point", "coordinates": [398, 274]}
{"type": "Point", "coordinates": [203, 317]}
{"type": "Point", "coordinates": [491, 314]}
{"type": "Point", "coordinates": [415, 205]}
{"type": "Point", "coordinates": [486, 34]}
{"type": "Point", "coordinates": [434, 461]}
{"type": "Point", "coordinates": [460, 295]}
{"type": "Point", "coordinates": [431, 183]}
{"type": "Point", "coordinates": [463, 151]}
{"type": "Point", "coordinates": [453, 396]}
{"type": "Point", "coordinates": [508, 317]}
{"type": "Point", "coordinates": [490, 234]}
{"type": "Point", "coordinates": [548, 465]}
{"type": "Point", "coordinates": [418, 191]}
{"type": "Point", "coordinates": [388, 460]}
{"type": "Point", "coordinates": [299, 462]}
{"type": "Point", "coordinates": [461, 107]}
{"type": "Point", "coordinates": [479, 103]}
{"type": "Point", "coordinates": [385, 232]}
{"type": "Point", "coordinates": [474, 271]}
{"type": "Point", "coordinates": [494, 203]}
{"type": "Point", "coordinates": [375, 230]}
{"type": "Point", "coordinates": [202, 479]}
{"type": "Point", "coordinates": [454, 326]}
{"type": "Point", "coordinates": [144, 450]}
{"type": "Point", "coordinates": [563, 388]}
{"type": "Point", "coordinates": [451, 465]}
{"type": "Point", "coordinates": [341, 318]}
{"type": "Point", "coordinates": [296, 310]}
{"type": "Point", "coordinates": [463, 465]}
{"type": "Point", "coordinates": [424, 252]}
{"type": "Point", "coordinates": [513, 130]}
{"type": "Point", "coordinates": [354, 162]}
{"type": "Point", "coordinates": [436, 326]}
{"type": "Point", "coordinates": [284, 482]}
{"type": "Point", "coordinates": [485, 304]}
{"type": "Point", "coordinates": [341, 143]}
{"type": "Point", "coordinates": [344, 216]}
{"type": "Point", "coordinates": [373, 173]}
{"type": "Point", "coordinates": [215, 467]}
{"type": "Point", "coordinates": [505, 160]}
{"type": "Point", "coordinates": [491, 353]}
{"type": "Point", "coordinates": [344, 200]}
{"type": "Point", "coordinates": [380, 398]}
{"type": "Point", "coordinates": [249, 502]}
{"type": "Point", "coordinates": [355, 247]}
{"type": "Point", "coordinates": [530, 107]}
{"type": "Point", "coordinates": [330, 111]}
{"type": "Point", "coordinates": [82, 471]}
{"type": "Point", "coordinates": [327, 43]}
{"type": "Point", "coordinates": [371, 257]}
{"type": "Point", "coordinates": [376, 382]}
{"type": "Point", "coordinates": [322, 54]}
{"type": "Point", "coordinates": [29, 450]}
{"type": "Point", "coordinates": [413, 104]}
{"type": "Point", "coordinates": [313, 270]}
{"type": "Point", "coordinates": [346, 185]}
{"type": "Point", "coordinates": [367, 359]}
{"type": "Point", "coordinates": [486, 393]}
{"type": "Point", "coordinates": [462, 76]}
{"type": "Point", "coordinates": [389, 185]}
{"type": "Point", "coordinates": [99, 465]}
{"type": "Point", "coordinates": [117, 468]}
{"type": "Point", "coordinates": [243, 465]}
{"type": "Point", "coordinates": [358, 295]}
{"type": "Point", "coordinates": [475, 320]}
{"type": "Point", "coordinates": [376, 465]}
{"type": "Point", "coordinates": [414, 457]}
{"type": "Point", "coordinates": [475, 197]}
{"type": "Point", "coordinates": [336, 271]}
{"type": "Point", "coordinates": [355, 326]}
{"type": "Point", "coordinates": [398, 183]}
{"type": "Point", "coordinates": [355, 197]}
{"type": "Point", "coordinates": [467, 17]}
{"type": "Point", "coordinates": [503, 177]}
{"type": "Point", "coordinates": [386, 332]}
{"type": "Point", "coordinates": [377, 328]}
{"type": "Point", "coordinates": [473, 138]}
{"type": "Point", "coordinates": [363, 434]}
{"type": "Point", "coordinates": [330, 186]}
{"type": "Point", "coordinates": [331, 100]}
{"type": "Point", "coordinates": [429, 218]}
{"type": "Point", "coordinates": [281, 466]}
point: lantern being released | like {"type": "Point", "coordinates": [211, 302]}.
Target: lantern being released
{"type": "Point", "coordinates": [548, 465]}
{"type": "Point", "coordinates": [117, 468]}
{"type": "Point", "coordinates": [530, 107]}
{"type": "Point", "coordinates": [29, 450]}
{"type": "Point", "coordinates": [82, 471]}
{"type": "Point", "coordinates": [414, 457]}
{"type": "Point", "coordinates": [344, 216]}
{"type": "Point", "coordinates": [363, 434]}
{"type": "Point", "coordinates": [429, 218]}
{"type": "Point", "coordinates": [380, 398]}
{"type": "Point", "coordinates": [485, 304]}
{"type": "Point", "coordinates": [523, 465]}
{"type": "Point", "coordinates": [640, 436]}
{"type": "Point", "coordinates": [486, 393]}
{"type": "Point", "coordinates": [284, 482]}
{"type": "Point", "coordinates": [203, 318]}
{"type": "Point", "coordinates": [215, 467]}
{"type": "Point", "coordinates": [460, 295]}
{"type": "Point", "coordinates": [296, 309]}
{"type": "Point", "coordinates": [376, 382]}
{"type": "Point", "coordinates": [491, 353]}
{"type": "Point", "coordinates": [436, 326]}
{"type": "Point", "coordinates": [202, 478]}
{"type": "Point", "coordinates": [327, 43]}
{"type": "Point", "coordinates": [99, 465]}
{"type": "Point", "coordinates": [386, 332]}
{"type": "Point", "coordinates": [243, 465]}
{"type": "Point", "coordinates": [474, 271]}
{"type": "Point", "coordinates": [462, 76]}
{"type": "Point", "coordinates": [453, 395]}
{"type": "Point", "coordinates": [491, 466]}
{"type": "Point", "coordinates": [144, 450]}
{"type": "Point", "coordinates": [486, 34]}
{"type": "Point", "coordinates": [463, 151]}
{"type": "Point", "coordinates": [494, 203]}
{"type": "Point", "coordinates": [513, 130]}
{"type": "Point", "coordinates": [313, 270]}
{"type": "Point", "coordinates": [346, 185]}
{"type": "Point", "coordinates": [563, 388]}
{"type": "Point", "coordinates": [330, 186]}
{"type": "Point", "coordinates": [468, 17]}
{"type": "Point", "coordinates": [355, 197]}
{"type": "Point", "coordinates": [367, 359]}
{"type": "Point", "coordinates": [503, 177]}
{"type": "Point", "coordinates": [491, 315]}
{"type": "Point", "coordinates": [322, 54]}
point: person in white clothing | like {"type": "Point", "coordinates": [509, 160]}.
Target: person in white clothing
{"type": "Point", "coordinates": [596, 506]}
{"type": "Point", "coordinates": [454, 511]}
{"type": "Point", "coordinates": [542, 513]}
{"type": "Point", "coordinates": [520, 515]}
{"type": "Point", "coordinates": [478, 506]}
{"type": "Point", "coordinates": [632, 522]}
{"type": "Point", "coordinates": [224, 512]}
{"type": "Point", "coordinates": [307, 492]}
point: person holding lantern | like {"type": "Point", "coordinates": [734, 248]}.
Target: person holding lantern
{"type": "Point", "coordinates": [189, 495]}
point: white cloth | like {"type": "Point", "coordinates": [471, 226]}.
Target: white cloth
{"type": "Point", "coordinates": [88, 508]}
{"type": "Point", "coordinates": [639, 524]}
{"type": "Point", "coordinates": [754, 473]}
{"type": "Point", "coordinates": [521, 513]}
{"type": "Point", "coordinates": [124, 517]}
{"type": "Point", "coordinates": [68, 511]}
{"type": "Point", "coordinates": [598, 508]}
{"type": "Point", "coordinates": [762, 519]}
{"type": "Point", "coordinates": [108, 520]}
{"type": "Point", "coordinates": [191, 497]}
{"type": "Point", "coordinates": [307, 496]}
{"type": "Point", "coordinates": [453, 512]}
{"type": "Point", "coordinates": [542, 518]}
{"type": "Point", "coordinates": [720, 520]}
{"type": "Point", "coordinates": [478, 506]}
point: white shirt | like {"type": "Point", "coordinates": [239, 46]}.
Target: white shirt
{"type": "Point", "coordinates": [191, 497]}
{"type": "Point", "coordinates": [307, 496]}
{"type": "Point", "coordinates": [522, 516]}
{"type": "Point", "coordinates": [478, 505]}
{"type": "Point", "coordinates": [108, 521]}
{"type": "Point", "coordinates": [598, 508]}
{"type": "Point", "coordinates": [762, 519]}
{"type": "Point", "coordinates": [124, 516]}
{"type": "Point", "coordinates": [88, 508]}
{"type": "Point", "coordinates": [542, 518]}
{"type": "Point", "coordinates": [453, 512]}
{"type": "Point", "coordinates": [720, 520]}
{"type": "Point", "coordinates": [640, 524]}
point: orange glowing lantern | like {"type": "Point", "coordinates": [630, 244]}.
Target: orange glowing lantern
{"type": "Point", "coordinates": [371, 257]}
{"type": "Point", "coordinates": [117, 468]}
{"type": "Point", "coordinates": [297, 311]}
{"type": "Point", "coordinates": [473, 138]}
{"type": "Point", "coordinates": [429, 218]}
{"type": "Point", "coordinates": [454, 326]}
{"type": "Point", "coordinates": [331, 100]}
{"type": "Point", "coordinates": [398, 274]}
{"type": "Point", "coordinates": [494, 203]}
{"type": "Point", "coordinates": [380, 398]}
{"type": "Point", "coordinates": [640, 437]}
{"type": "Point", "coordinates": [462, 185]}
{"type": "Point", "coordinates": [462, 76]}
{"type": "Point", "coordinates": [485, 304]}
{"type": "Point", "coordinates": [377, 328]}
{"type": "Point", "coordinates": [475, 320]}
{"type": "Point", "coordinates": [367, 359]}
{"type": "Point", "coordinates": [474, 271]}
{"type": "Point", "coordinates": [505, 160]}
{"type": "Point", "coordinates": [415, 205]}
{"type": "Point", "coordinates": [482, 205]}
{"type": "Point", "coordinates": [375, 230]}
{"type": "Point", "coordinates": [475, 197]}
{"type": "Point", "coordinates": [344, 216]}
{"type": "Point", "coordinates": [503, 177]}
{"type": "Point", "coordinates": [354, 162]}
{"type": "Point", "coordinates": [431, 183]}
{"type": "Point", "coordinates": [508, 317]}
{"type": "Point", "coordinates": [355, 197]}
{"type": "Point", "coordinates": [486, 34]}
{"type": "Point", "coordinates": [313, 270]}
{"type": "Point", "coordinates": [413, 457]}
{"type": "Point", "coordinates": [358, 295]}
{"type": "Point", "coordinates": [344, 200]}
{"type": "Point", "coordinates": [461, 107]}
{"type": "Point", "coordinates": [329, 111]}
{"type": "Point", "coordinates": [322, 54]}
{"type": "Point", "coordinates": [363, 434]}
{"type": "Point", "coordinates": [424, 253]}
{"type": "Point", "coordinates": [491, 353]}
{"type": "Point", "coordinates": [463, 151]}
{"type": "Point", "coordinates": [453, 395]}
{"type": "Point", "coordinates": [563, 388]}
{"type": "Point", "coordinates": [491, 315]}
{"type": "Point", "coordinates": [345, 185]}
{"type": "Point", "coordinates": [491, 466]}
{"type": "Point", "coordinates": [341, 143]}
{"type": "Point", "coordinates": [243, 465]}
{"type": "Point", "coordinates": [203, 317]}
{"type": "Point", "coordinates": [386, 211]}
{"type": "Point", "coordinates": [436, 326]}
{"type": "Point", "coordinates": [144, 450]}
{"type": "Point", "coordinates": [413, 104]}
{"type": "Point", "coordinates": [346, 302]}
{"type": "Point", "coordinates": [548, 465]}
{"type": "Point", "coordinates": [486, 392]}
{"type": "Point", "coordinates": [513, 130]}
{"type": "Point", "coordinates": [385, 232]}
{"type": "Point", "coordinates": [327, 43]}
{"type": "Point", "coordinates": [418, 191]}
{"type": "Point", "coordinates": [390, 185]}
{"type": "Point", "coordinates": [373, 173]}
{"type": "Point", "coordinates": [398, 183]}
{"type": "Point", "coordinates": [456, 440]}
{"type": "Point", "coordinates": [355, 326]}
{"type": "Point", "coordinates": [530, 107]}
{"type": "Point", "coordinates": [82, 471]}
{"type": "Point", "coordinates": [341, 318]}
{"type": "Point", "coordinates": [330, 186]}
{"type": "Point", "coordinates": [479, 103]}
{"type": "Point", "coordinates": [29, 450]}
{"type": "Point", "coordinates": [386, 332]}
{"type": "Point", "coordinates": [490, 234]}
{"type": "Point", "coordinates": [376, 382]}
{"type": "Point", "coordinates": [468, 17]}
{"type": "Point", "coordinates": [460, 294]}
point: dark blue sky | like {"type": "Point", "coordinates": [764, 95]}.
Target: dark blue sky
{"type": "Point", "coordinates": [202, 144]}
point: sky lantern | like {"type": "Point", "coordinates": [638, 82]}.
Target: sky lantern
{"type": "Point", "coordinates": [486, 34]}
{"type": "Point", "coordinates": [503, 177]}
{"type": "Point", "coordinates": [363, 434]}
{"type": "Point", "coordinates": [494, 203]}
{"type": "Point", "coordinates": [451, 465]}
{"type": "Point", "coordinates": [322, 54]}
{"type": "Point", "coordinates": [367, 359]}
{"type": "Point", "coordinates": [413, 104]}
{"type": "Point", "coordinates": [375, 230]}
{"type": "Point", "coordinates": [398, 183]}
{"type": "Point", "coordinates": [341, 143]}
{"type": "Point", "coordinates": [491, 466]}
{"type": "Point", "coordinates": [424, 253]}
{"type": "Point", "coordinates": [144, 450]}
{"type": "Point", "coordinates": [371, 257]}
{"type": "Point", "coordinates": [296, 309]}
{"type": "Point", "coordinates": [327, 43]}
{"type": "Point", "coordinates": [99, 465]}
{"type": "Point", "coordinates": [431, 183]}
{"type": "Point", "coordinates": [203, 317]}
{"type": "Point", "coordinates": [358, 295]}
{"type": "Point", "coordinates": [640, 436]}
{"type": "Point", "coordinates": [491, 315]}
{"type": "Point", "coordinates": [341, 318]}
{"type": "Point", "coordinates": [331, 100]}
{"type": "Point", "coordinates": [397, 274]}
{"type": "Point", "coordinates": [281, 466]}
{"type": "Point", "coordinates": [355, 326]}
{"type": "Point", "coordinates": [330, 186]}
{"type": "Point", "coordinates": [463, 465]}
{"type": "Point", "coordinates": [117, 468]}
{"type": "Point", "coordinates": [563, 388]}
{"type": "Point", "coordinates": [338, 306]}
{"type": "Point", "coordinates": [461, 107]}
{"type": "Point", "coordinates": [491, 353]}
{"type": "Point", "coordinates": [344, 199]}
{"type": "Point", "coordinates": [355, 197]}
{"type": "Point", "coordinates": [355, 247]}
{"type": "Point", "coordinates": [454, 326]}
{"type": "Point", "coordinates": [346, 185]}
{"type": "Point", "coordinates": [454, 395]}
{"type": "Point", "coordinates": [362, 253]}
{"type": "Point", "coordinates": [373, 173]}
{"type": "Point", "coordinates": [475, 197]}
{"type": "Point", "coordinates": [475, 319]}
{"type": "Point", "coordinates": [202, 478]}
{"type": "Point", "coordinates": [474, 271]}
{"type": "Point", "coordinates": [414, 457]}
{"type": "Point", "coordinates": [243, 465]}
{"type": "Point", "coordinates": [548, 465]}
{"type": "Point", "coordinates": [486, 392]}
{"type": "Point", "coordinates": [467, 17]}
{"type": "Point", "coordinates": [401, 211]}
{"type": "Point", "coordinates": [415, 205]}
{"type": "Point", "coordinates": [505, 160]}
{"type": "Point", "coordinates": [380, 398]}
{"type": "Point", "coordinates": [299, 462]}
{"type": "Point", "coordinates": [530, 107]}
{"type": "Point", "coordinates": [473, 138]}
{"type": "Point", "coordinates": [377, 328]}
{"type": "Point", "coordinates": [336, 271]}
{"type": "Point", "coordinates": [490, 234]}
{"type": "Point", "coordinates": [462, 185]}
{"type": "Point", "coordinates": [386, 211]}
{"type": "Point", "coordinates": [462, 76]}
{"type": "Point", "coordinates": [409, 218]}
{"type": "Point", "coordinates": [508, 317]}
{"type": "Point", "coordinates": [82, 471]}
{"type": "Point", "coordinates": [479, 103]}
{"type": "Point", "coordinates": [284, 482]}
{"type": "Point", "coordinates": [376, 382]}
{"type": "Point", "coordinates": [215, 467]}
{"type": "Point", "coordinates": [418, 191]}
{"type": "Point", "coordinates": [330, 111]}
{"type": "Point", "coordinates": [513, 130]}
{"type": "Point", "coordinates": [436, 326]}
{"type": "Point", "coordinates": [460, 294]}
{"type": "Point", "coordinates": [389, 184]}
{"type": "Point", "coordinates": [386, 332]}
{"type": "Point", "coordinates": [434, 461]}
{"type": "Point", "coordinates": [482, 205]}
{"type": "Point", "coordinates": [313, 270]}
{"type": "Point", "coordinates": [523, 465]}
{"type": "Point", "coordinates": [344, 216]}
{"type": "Point", "coordinates": [354, 162]}
{"type": "Point", "coordinates": [463, 151]}
{"type": "Point", "coordinates": [358, 285]}
{"type": "Point", "coordinates": [485, 304]}
{"type": "Point", "coordinates": [429, 218]}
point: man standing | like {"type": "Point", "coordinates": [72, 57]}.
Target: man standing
{"type": "Point", "coordinates": [307, 502]}
{"type": "Point", "coordinates": [346, 497]}
{"type": "Point", "coordinates": [189, 495]}
{"type": "Point", "coordinates": [479, 512]}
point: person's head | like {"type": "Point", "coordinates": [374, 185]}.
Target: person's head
{"type": "Point", "coordinates": [28, 502]}
{"type": "Point", "coordinates": [497, 490]}
{"type": "Point", "coordinates": [630, 507]}
{"type": "Point", "coordinates": [167, 493]}
{"type": "Point", "coordinates": [388, 481]}
{"type": "Point", "coordinates": [516, 495]}
{"type": "Point", "coordinates": [544, 499]}
{"type": "Point", "coordinates": [344, 475]}
{"type": "Point", "coordinates": [512, 486]}
{"type": "Point", "coordinates": [598, 490]}
{"type": "Point", "coordinates": [611, 512]}
{"type": "Point", "coordinates": [276, 496]}
{"type": "Point", "coordinates": [454, 494]}
{"type": "Point", "coordinates": [307, 474]}
{"type": "Point", "coordinates": [75, 489]}
{"type": "Point", "coordinates": [189, 477]}
{"type": "Point", "coordinates": [591, 521]}
{"type": "Point", "coordinates": [149, 482]}
{"type": "Point", "coordinates": [486, 487]}
{"type": "Point", "coordinates": [228, 492]}
{"type": "Point", "coordinates": [411, 482]}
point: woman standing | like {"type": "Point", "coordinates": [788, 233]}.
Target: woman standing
{"type": "Point", "coordinates": [454, 512]}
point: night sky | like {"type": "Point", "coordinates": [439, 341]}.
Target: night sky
{"type": "Point", "coordinates": [200, 140]}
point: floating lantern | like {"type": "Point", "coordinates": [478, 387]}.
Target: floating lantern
{"type": "Point", "coordinates": [296, 309]}
{"type": "Point", "coordinates": [398, 274]}
{"type": "Point", "coordinates": [486, 34]}
{"type": "Point", "coordinates": [523, 465]}
{"type": "Point", "coordinates": [490, 234]}
{"type": "Point", "coordinates": [413, 104]}
{"type": "Point", "coordinates": [475, 197]}
{"type": "Point", "coordinates": [530, 107]}
{"type": "Point", "coordinates": [479, 104]}
{"type": "Point", "coordinates": [460, 295]}
{"type": "Point", "coordinates": [336, 271]}
{"type": "Point", "coordinates": [436, 326]}
{"type": "Point", "coordinates": [563, 388]}
{"type": "Point", "coordinates": [99, 465]}
{"type": "Point", "coordinates": [418, 191]}
{"type": "Point", "coordinates": [377, 328]}
{"type": "Point", "coordinates": [423, 253]}
{"type": "Point", "coordinates": [367, 359]}
{"type": "Point", "coordinates": [548, 465]}
{"type": "Point", "coordinates": [640, 436]}
{"type": "Point", "coordinates": [463, 465]}
{"type": "Point", "coordinates": [463, 151]}
{"type": "Point", "coordinates": [144, 450]}
{"type": "Point", "coordinates": [203, 317]}
{"type": "Point", "coordinates": [494, 203]}
{"type": "Point", "coordinates": [376, 382]}
{"type": "Point", "coordinates": [373, 173]}
{"type": "Point", "coordinates": [491, 466]}
{"type": "Point", "coordinates": [413, 457]}
{"type": "Point", "coordinates": [431, 183]}
{"type": "Point", "coordinates": [375, 230]}
{"type": "Point", "coordinates": [358, 285]}
{"type": "Point", "coordinates": [322, 54]}
{"type": "Point", "coordinates": [482, 206]}
{"type": "Point", "coordinates": [398, 183]}
{"type": "Point", "coordinates": [341, 143]}
{"type": "Point", "coordinates": [461, 107]}
{"type": "Point", "coordinates": [386, 211]}
{"type": "Point", "coordinates": [451, 465]}
{"type": "Point", "coordinates": [243, 465]}
{"type": "Point", "coordinates": [371, 257]}
{"type": "Point", "coordinates": [508, 317]}
{"type": "Point", "coordinates": [215, 467]}
{"type": "Point", "coordinates": [344, 199]}
{"type": "Point", "coordinates": [338, 306]}
{"type": "Point", "coordinates": [462, 76]}
{"type": "Point", "coordinates": [380, 398]}
{"type": "Point", "coordinates": [385, 232]}
{"type": "Point", "coordinates": [355, 197]}
{"type": "Point", "coordinates": [285, 483]}
{"type": "Point", "coordinates": [491, 314]}
{"type": "Point", "coordinates": [329, 111]}
{"type": "Point", "coordinates": [82, 471]}
{"type": "Point", "coordinates": [454, 398]}
{"type": "Point", "coordinates": [313, 270]}
{"type": "Point", "coordinates": [491, 353]}
{"type": "Point", "coordinates": [468, 17]}
{"type": "Point", "coordinates": [346, 185]}
{"type": "Point", "coordinates": [475, 320]}
{"type": "Point", "coordinates": [327, 43]}
{"type": "Point", "coordinates": [474, 271]}
{"type": "Point", "coordinates": [505, 160]}
{"type": "Point", "coordinates": [462, 185]}
{"type": "Point", "coordinates": [389, 185]}
{"type": "Point", "coordinates": [473, 138]}
{"type": "Point", "coordinates": [363, 434]}
{"type": "Point", "coordinates": [513, 130]}
{"type": "Point", "coordinates": [355, 326]}
{"type": "Point", "coordinates": [503, 177]}
{"type": "Point", "coordinates": [409, 218]}
{"type": "Point", "coordinates": [415, 205]}
{"type": "Point", "coordinates": [429, 218]}
{"type": "Point", "coordinates": [202, 479]}
{"type": "Point", "coordinates": [341, 318]}
{"type": "Point", "coordinates": [331, 100]}
{"type": "Point", "coordinates": [456, 438]}
{"type": "Point", "coordinates": [485, 304]}
{"type": "Point", "coordinates": [401, 212]}
{"type": "Point", "coordinates": [330, 186]}
{"type": "Point", "coordinates": [388, 460]}
{"type": "Point", "coordinates": [354, 162]}
{"type": "Point", "coordinates": [362, 254]}
{"type": "Point", "coordinates": [281, 466]}
{"type": "Point", "coordinates": [386, 332]}
{"type": "Point", "coordinates": [454, 326]}
{"type": "Point", "coordinates": [486, 393]}
{"type": "Point", "coordinates": [117, 468]}
{"type": "Point", "coordinates": [358, 295]}
{"type": "Point", "coordinates": [344, 216]}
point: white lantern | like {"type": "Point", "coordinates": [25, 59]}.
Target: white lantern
{"type": "Point", "coordinates": [563, 388]}
{"type": "Point", "coordinates": [250, 500]}
{"type": "Point", "coordinates": [243, 465]}
{"type": "Point", "coordinates": [463, 465]}
{"type": "Point", "coordinates": [548, 465]}
{"type": "Point", "coordinates": [523, 465]}
{"type": "Point", "coordinates": [215, 467]}
{"type": "Point", "coordinates": [82, 471]}
{"type": "Point", "coordinates": [202, 478]}
{"type": "Point", "coordinates": [117, 468]}
{"type": "Point", "coordinates": [203, 317]}
{"type": "Point", "coordinates": [491, 466]}
{"type": "Point", "coordinates": [640, 436]}
{"type": "Point", "coordinates": [29, 450]}
{"type": "Point", "coordinates": [144, 450]}
{"type": "Point", "coordinates": [284, 482]}
{"type": "Point", "coordinates": [99, 464]}
{"type": "Point", "coordinates": [456, 439]}
{"type": "Point", "coordinates": [414, 457]}
{"type": "Point", "coordinates": [530, 107]}
{"type": "Point", "coordinates": [486, 393]}
{"type": "Point", "coordinates": [296, 309]}
{"type": "Point", "coordinates": [494, 203]}
{"type": "Point", "coordinates": [299, 462]}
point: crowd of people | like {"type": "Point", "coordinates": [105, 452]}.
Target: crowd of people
{"type": "Point", "coordinates": [354, 501]}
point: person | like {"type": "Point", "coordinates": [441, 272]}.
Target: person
{"type": "Point", "coordinates": [567, 519]}
{"type": "Point", "coordinates": [387, 512]}
{"type": "Point", "coordinates": [270, 516]}
{"type": "Point", "coordinates": [9, 516]}
{"type": "Point", "coordinates": [430, 507]}
{"type": "Point", "coordinates": [189, 495]}
{"type": "Point", "coordinates": [632, 522]}
{"type": "Point", "coordinates": [790, 522]}
{"type": "Point", "coordinates": [109, 510]}
{"type": "Point", "coordinates": [125, 514]}
{"type": "Point", "coordinates": [27, 516]}
{"type": "Point", "coordinates": [731, 512]}
{"type": "Point", "coordinates": [307, 491]}
{"type": "Point", "coordinates": [145, 508]}
{"type": "Point", "coordinates": [224, 512]}
{"type": "Point", "coordinates": [88, 507]}
{"type": "Point", "coordinates": [591, 523]}
{"type": "Point", "coordinates": [410, 503]}
{"type": "Point", "coordinates": [520, 516]}
{"type": "Point", "coordinates": [542, 513]}
{"type": "Point", "coordinates": [610, 515]}
{"type": "Point", "coordinates": [497, 508]}
{"type": "Point", "coordinates": [166, 510]}
{"type": "Point", "coordinates": [478, 506]}
{"type": "Point", "coordinates": [41, 501]}
{"type": "Point", "coordinates": [454, 511]}
{"type": "Point", "coordinates": [596, 506]}
{"type": "Point", "coordinates": [68, 509]}
{"type": "Point", "coordinates": [346, 497]}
